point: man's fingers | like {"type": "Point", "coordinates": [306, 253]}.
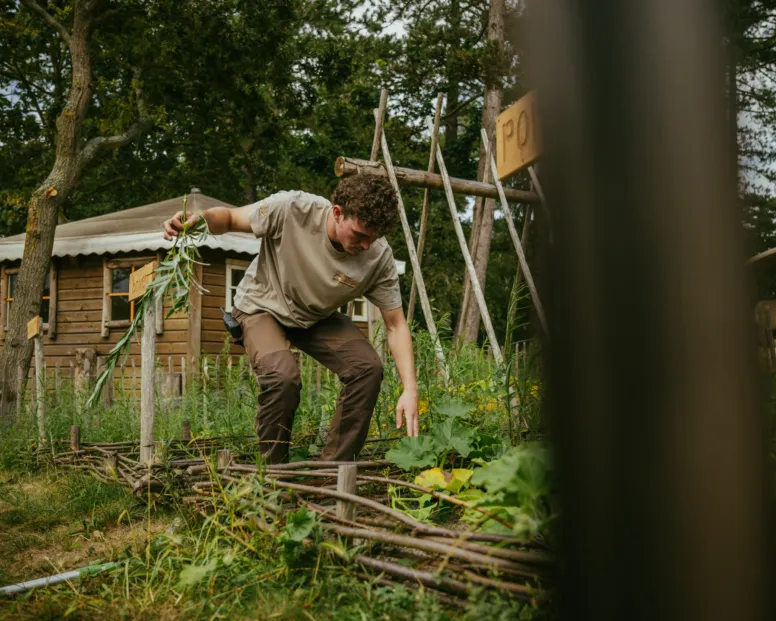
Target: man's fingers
{"type": "Point", "coordinates": [399, 409]}
{"type": "Point", "coordinates": [169, 231]}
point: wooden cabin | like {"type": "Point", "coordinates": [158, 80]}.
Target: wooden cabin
{"type": "Point", "coordinates": [86, 308]}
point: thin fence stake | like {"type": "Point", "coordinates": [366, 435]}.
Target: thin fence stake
{"type": "Point", "coordinates": [171, 377]}
{"type": "Point", "coordinates": [224, 458]}
{"type": "Point", "coordinates": [183, 375]}
{"type": "Point", "coordinates": [346, 482]}
{"type": "Point", "coordinates": [475, 282]}
{"type": "Point", "coordinates": [424, 303]}
{"type": "Point", "coordinates": [40, 387]}
{"type": "Point", "coordinates": [147, 402]}
{"type": "Point", "coordinates": [515, 239]}
{"type": "Point", "coordinates": [20, 392]}
{"type": "Point", "coordinates": [424, 210]}
{"type": "Point", "coordinates": [75, 438]}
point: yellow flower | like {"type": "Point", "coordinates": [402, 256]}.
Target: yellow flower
{"type": "Point", "coordinates": [422, 407]}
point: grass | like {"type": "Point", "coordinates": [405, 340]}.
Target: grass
{"type": "Point", "coordinates": [53, 522]}
{"type": "Point", "coordinates": [175, 565]}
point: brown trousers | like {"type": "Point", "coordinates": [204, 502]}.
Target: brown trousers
{"type": "Point", "coordinates": [338, 345]}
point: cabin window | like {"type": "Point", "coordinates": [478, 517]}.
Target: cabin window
{"type": "Point", "coordinates": [235, 270]}
{"type": "Point", "coordinates": [359, 310]}
{"type": "Point", "coordinates": [10, 284]}
{"type": "Point", "coordinates": [117, 310]}
{"type": "Point", "coordinates": [121, 309]}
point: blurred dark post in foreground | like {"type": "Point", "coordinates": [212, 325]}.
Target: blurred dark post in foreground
{"type": "Point", "coordinates": [653, 390]}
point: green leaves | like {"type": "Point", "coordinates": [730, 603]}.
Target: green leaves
{"type": "Point", "coordinates": [193, 574]}
{"type": "Point", "coordinates": [411, 453]}
{"type": "Point", "coordinates": [299, 525]}
{"type": "Point", "coordinates": [448, 435]}
{"type": "Point", "coordinates": [451, 435]}
{"type": "Point", "coordinates": [174, 278]}
{"type": "Point", "coordinates": [438, 479]}
{"type": "Point", "coordinates": [424, 451]}
{"type": "Point", "coordinates": [519, 487]}
{"type": "Point", "coordinates": [420, 507]}
{"type": "Point", "coordinates": [452, 409]}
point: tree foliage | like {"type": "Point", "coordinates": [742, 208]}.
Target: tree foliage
{"type": "Point", "coordinates": [248, 98]}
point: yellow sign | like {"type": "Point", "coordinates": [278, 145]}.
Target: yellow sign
{"type": "Point", "coordinates": [33, 327]}
{"type": "Point", "coordinates": [139, 279]}
{"type": "Point", "coordinates": [517, 136]}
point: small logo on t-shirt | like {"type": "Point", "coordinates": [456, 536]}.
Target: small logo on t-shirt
{"type": "Point", "coordinates": [345, 279]}
{"type": "Point", "coordinates": [262, 209]}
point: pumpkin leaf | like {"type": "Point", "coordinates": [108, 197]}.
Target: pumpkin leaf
{"type": "Point", "coordinates": [438, 479]}
{"type": "Point", "coordinates": [419, 452]}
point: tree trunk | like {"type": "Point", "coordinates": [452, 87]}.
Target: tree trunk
{"type": "Point", "coordinates": [482, 228]}
{"type": "Point", "coordinates": [249, 185]}
{"type": "Point", "coordinates": [71, 159]}
{"type": "Point", "coordinates": [453, 88]}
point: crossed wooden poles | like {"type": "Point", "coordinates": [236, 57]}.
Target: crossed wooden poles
{"type": "Point", "coordinates": [404, 176]}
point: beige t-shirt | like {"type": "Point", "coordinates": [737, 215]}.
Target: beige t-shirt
{"type": "Point", "coordinates": [298, 276]}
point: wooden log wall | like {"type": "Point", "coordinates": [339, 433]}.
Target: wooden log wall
{"type": "Point", "coordinates": [79, 316]}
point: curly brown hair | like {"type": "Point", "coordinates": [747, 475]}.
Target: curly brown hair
{"type": "Point", "coordinates": [369, 198]}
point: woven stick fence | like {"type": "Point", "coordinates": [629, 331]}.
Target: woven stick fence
{"type": "Point", "coordinates": [351, 502]}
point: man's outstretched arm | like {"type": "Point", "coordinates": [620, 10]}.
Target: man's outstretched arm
{"type": "Point", "coordinates": [400, 343]}
{"type": "Point", "coordinates": [219, 220]}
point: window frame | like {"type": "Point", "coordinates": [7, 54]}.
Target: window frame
{"type": "Point", "coordinates": [365, 315]}
{"type": "Point", "coordinates": [108, 265]}
{"type": "Point", "coordinates": [5, 299]}
{"type": "Point", "coordinates": [232, 264]}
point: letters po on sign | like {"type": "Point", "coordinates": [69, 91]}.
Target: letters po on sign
{"type": "Point", "coordinates": [517, 136]}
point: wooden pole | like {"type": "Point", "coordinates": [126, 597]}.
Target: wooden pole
{"type": "Point", "coordinates": [348, 166]}
{"type": "Point", "coordinates": [75, 438]}
{"type": "Point", "coordinates": [171, 377]}
{"type": "Point", "coordinates": [204, 390]}
{"type": "Point", "coordinates": [346, 482]}
{"type": "Point", "coordinates": [379, 122]}
{"type": "Point", "coordinates": [424, 211]}
{"type": "Point", "coordinates": [186, 431]}
{"type": "Point", "coordinates": [475, 282]}
{"type": "Point", "coordinates": [527, 214]}
{"type": "Point", "coordinates": [20, 391]}
{"type": "Point", "coordinates": [540, 193]}
{"type": "Point", "coordinates": [112, 465]}
{"type": "Point", "coordinates": [183, 375]}
{"type": "Point", "coordinates": [40, 381]}
{"type": "Point", "coordinates": [147, 367]}
{"type": "Point", "coordinates": [516, 240]}
{"type": "Point", "coordinates": [424, 303]}
{"type": "Point", "coordinates": [224, 458]}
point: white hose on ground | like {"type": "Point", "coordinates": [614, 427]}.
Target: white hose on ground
{"type": "Point", "coordinates": [21, 587]}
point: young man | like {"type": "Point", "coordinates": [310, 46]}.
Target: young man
{"type": "Point", "coordinates": [315, 257]}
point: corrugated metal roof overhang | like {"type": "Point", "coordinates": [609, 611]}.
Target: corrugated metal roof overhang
{"type": "Point", "coordinates": [133, 242]}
